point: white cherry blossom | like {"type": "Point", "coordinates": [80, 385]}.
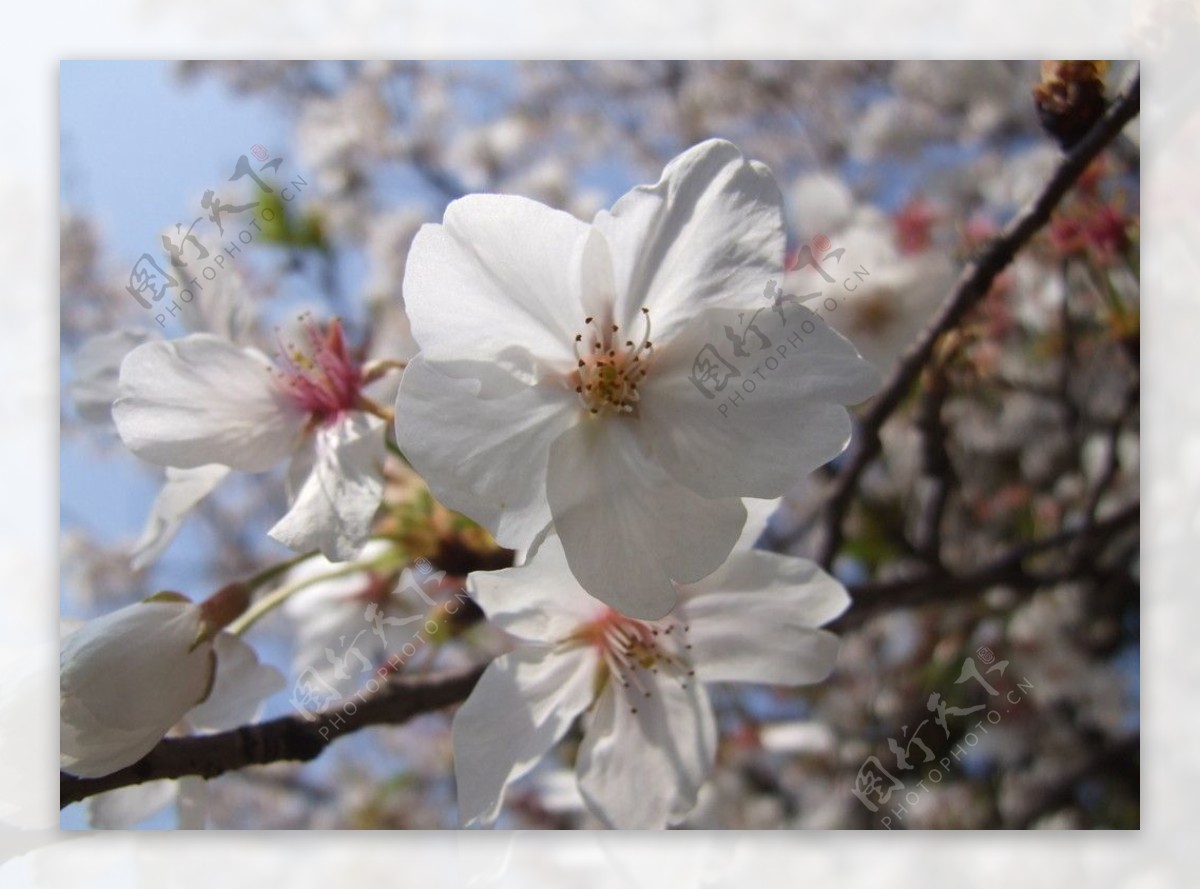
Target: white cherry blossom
{"type": "Point", "coordinates": [95, 370]}
{"type": "Point", "coordinates": [340, 622]}
{"type": "Point", "coordinates": [203, 400]}
{"type": "Point", "coordinates": [224, 311]}
{"type": "Point", "coordinates": [557, 376]}
{"type": "Point", "coordinates": [886, 296]}
{"type": "Point", "coordinates": [649, 738]}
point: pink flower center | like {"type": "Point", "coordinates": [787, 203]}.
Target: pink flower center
{"type": "Point", "coordinates": [318, 375]}
{"type": "Point", "coordinates": [633, 649]}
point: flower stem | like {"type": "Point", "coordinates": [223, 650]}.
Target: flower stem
{"type": "Point", "coordinates": [372, 407]}
{"type": "Point", "coordinates": [270, 574]}
{"type": "Point", "coordinates": [377, 369]}
{"type": "Point", "coordinates": [276, 598]}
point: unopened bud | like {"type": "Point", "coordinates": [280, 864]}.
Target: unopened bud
{"type": "Point", "coordinates": [1070, 99]}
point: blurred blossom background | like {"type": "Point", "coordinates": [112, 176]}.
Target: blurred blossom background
{"type": "Point", "coordinates": [998, 528]}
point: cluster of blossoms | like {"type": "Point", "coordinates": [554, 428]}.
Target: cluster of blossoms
{"type": "Point", "coordinates": [1022, 429]}
{"type": "Point", "coordinates": [551, 401]}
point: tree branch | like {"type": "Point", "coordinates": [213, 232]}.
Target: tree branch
{"type": "Point", "coordinates": [293, 737]}
{"type": "Point", "coordinates": [1009, 569]}
{"type": "Point", "coordinates": [937, 468]}
{"type": "Point", "coordinates": [972, 286]}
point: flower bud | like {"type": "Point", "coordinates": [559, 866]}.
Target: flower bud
{"type": "Point", "coordinates": [128, 677]}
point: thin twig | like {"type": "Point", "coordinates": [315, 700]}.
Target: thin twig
{"type": "Point", "coordinates": [972, 286]}
{"type": "Point", "coordinates": [937, 468]}
{"type": "Point", "coordinates": [1109, 472]}
{"type": "Point", "coordinates": [1009, 568]}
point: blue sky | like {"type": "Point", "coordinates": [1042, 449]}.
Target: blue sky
{"type": "Point", "coordinates": [139, 148]}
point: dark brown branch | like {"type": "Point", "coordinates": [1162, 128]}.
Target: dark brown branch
{"type": "Point", "coordinates": [937, 468]}
{"type": "Point", "coordinates": [972, 286]}
{"type": "Point", "coordinates": [293, 737]}
{"type": "Point", "coordinates": [1008, 569]}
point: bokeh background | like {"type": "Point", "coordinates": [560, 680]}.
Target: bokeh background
{"type": "Point", "coordinates": [1000, 524]}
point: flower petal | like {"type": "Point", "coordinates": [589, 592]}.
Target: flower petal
{"type": "Point", "coordinates": [192, 803]}
{"type": "Point", "coordinates": [112, 659]}
{"type": "Point", "coordinates": [780, 418]}
{"type": "Point", "coordinates": [758, 517]}
{"type": "Point", "coordinates": [754, 620]}
{"type": "Point", "coordinates": [501, 271]}
{"type": "Point", "coordinates": [241, 685]}
{"type": "Point", "coordinates": [114, 705]}
{"type": "Point", "coordinates": [539, 601]}
{"type": "Point", "coordinates": [483, 444]}
{"type": "Point", "coordinates": [226, 311]}
{"type": "Point", "coordinates": [333, 610]}
{"type": "Point", "coordinates": [709, 232]}
{"type": "Point", "coordinates": [524, 703]}
{"type": "Point", "coordinates": [201, 400]}
{"type": "Point", "coordinates": [126, 807]}
{"type": "Point", "coordinates": [627, 528]}
{"type": "Point", "coordinates": [644, 759]}
{"type": "Point", "coordinates": [96, 370]}
{"type": "Point", "coordinates": [181, 491]}
{"type": "Point", "coordinates": [335, 483]}
{"type": "Point", "coordinates": [88, 747]}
